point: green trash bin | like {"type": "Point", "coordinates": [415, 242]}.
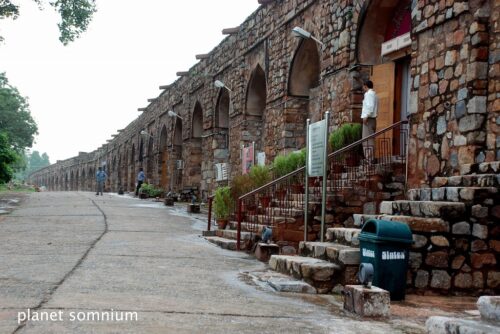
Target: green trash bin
{"type": "Point", "coordinates": [385, 245]}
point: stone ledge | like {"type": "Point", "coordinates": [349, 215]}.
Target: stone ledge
{"type": "Point", "coordinates": [223, 243]}
{"type": "Point", "coordinates": [423, 208]}
{"type": "Point", "coordinates": [343, 235]}
{"type": "Point", "coordinates": [416, 224]}
{"type": "Point", "coordinates": [336, 253]}
{"type": "Point", "coordinates": [489, 308]}
{"type": "Point", "coordinates": [446, 325]}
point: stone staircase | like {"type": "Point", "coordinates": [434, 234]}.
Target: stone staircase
{"type": "Point", "coordinates": [324, 265]}
{"type": "Point", "coordinates": [455, 225]}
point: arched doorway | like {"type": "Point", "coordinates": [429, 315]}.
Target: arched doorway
{"type": "Point", "coordinates": [255, 106]}
{"type": "Point", "coordinates": [178, 163]}
{"type": "Point", "coordinates": [163, 168]}
{"type": "Point", "coordinates": [131, 172]}
{"type": "Point", "coordinates": [150, 157]}
{"type": "Point", "coordinates": [304, 88]}
{"type": "Point", "coordinates": [384, 43]}
{"type": "Point", "coordinates": [195, 157]}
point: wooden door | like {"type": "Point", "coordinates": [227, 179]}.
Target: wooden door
{"type": "Point", "coordinates": [383, 78]}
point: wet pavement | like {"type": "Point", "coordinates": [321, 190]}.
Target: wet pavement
{"type": "Point", "coordinates": [115, 264]}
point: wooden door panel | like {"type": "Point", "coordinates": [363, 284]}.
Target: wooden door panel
{"type": "Point", "coordinates": [383, 78]}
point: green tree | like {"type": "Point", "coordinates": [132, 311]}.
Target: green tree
{"type": "Point", "coordinates": [32, 163]}
{"type": "Point", "coordinates": [15, 117]}
{"type": "Point", "coordinates": [8, 157]}
{"type": "Point", "coordinates": [75, 15]}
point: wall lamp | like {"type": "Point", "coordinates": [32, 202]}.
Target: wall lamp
{"type": "Point", "coordinates": [220, 84]}
{"type": "Point", "coordinates": [145, 133]}
{"type": "Point", "coordinates": [173, 114]}
{"type": "Point", "coordinates": [299, 32]}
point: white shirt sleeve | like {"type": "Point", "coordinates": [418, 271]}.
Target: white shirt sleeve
{"type": "Point", "coordinates": [369, 105]}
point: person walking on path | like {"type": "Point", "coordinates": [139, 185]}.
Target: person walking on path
{"type": "Point", "coordinates": [369, 114]}
{"type": "Point", "coordinates": [140, 180]}
{"type": "Point", "coordinates": [100, 178]}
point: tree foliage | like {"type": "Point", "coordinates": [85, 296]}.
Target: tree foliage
{"type": "Point", "coordinates": [75, 15]}
{"type": "Point", "coordinates": [33, 162]}
{"type": "Point", "coordinates": [15, 118]}
{"type": "Point", "coordinates": [8, 157]}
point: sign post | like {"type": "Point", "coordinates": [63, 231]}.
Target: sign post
{"type": "Point", "coordinates": [306, 205]}
{"type": "Point", "coordinates": [317, 159]}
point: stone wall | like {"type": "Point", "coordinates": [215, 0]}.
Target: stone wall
{"type": "Point", "coordinates": [454, 94]}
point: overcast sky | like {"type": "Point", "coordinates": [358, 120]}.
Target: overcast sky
{"type": "Point", "coordinates": [82, 93]}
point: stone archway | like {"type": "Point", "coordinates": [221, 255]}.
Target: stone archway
{"type": "Point", "coordinates": [195, 156]}
{"type": "Point", "coordinates": [255, 106]}
{"type": "Point", "coordinates": [131, 169]}
{"type": "Point", "coordinates": [305, 69]}
{"type": "Point", "coordinates": [384, 43]}
{"type": "Point", "coordinates": [178, 163]}
{"type": "Point", "coordinates": [150, 158]}
{"type": "Point", "coordinates": [163, 167]}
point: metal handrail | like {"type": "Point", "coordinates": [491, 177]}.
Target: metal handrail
{"type": "Point", "coordinates": [330, 156]}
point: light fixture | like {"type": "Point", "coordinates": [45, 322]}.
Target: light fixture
{"type": "Point", "coordinates": [220, 84]}
{"type": "Point", "coordinates": [299, 32]}
{"type": "Point", "coordinates": [173, 114]}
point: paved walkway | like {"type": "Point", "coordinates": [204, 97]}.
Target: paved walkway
{"type": "Point", "coordinates": [75, 256]}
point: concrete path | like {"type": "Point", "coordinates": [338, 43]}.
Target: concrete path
{"type": "Point", "coordinates": [75, 256]}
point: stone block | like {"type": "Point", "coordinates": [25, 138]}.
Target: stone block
{"type": "Point", "coordinates": [480, 231]}
{"type": "Point", "coordinates": [374, 302]}
{"type": "Point", "coordinates": [471, 122]}
{"type": "Point", "coordinates": [489, 308]}
{"type": "Point", "coordinates": [422, 279]}
{"type": "Point", "coordinates": [493, 279]}
{"type": "Point", "coordinates": [462, 228]}
{"type": "Point", "coordinates": [477, 105]}
{"type": "Point", "coordinates": [463, 281]}
{"type": "Point", "coordinates": [419, 241]}
{"type": "Point", "coordinates": [437, 259]}
{"type": "Point", "coordinates": [484, 259]}
{"type": "Point", "coordinates": [440, 241]}
{"type": "Point", "coordinates": [440, 280]}
{"type": "Point", "coordinates": [263, 251]}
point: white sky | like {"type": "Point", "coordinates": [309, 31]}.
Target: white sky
{"type": "Point", "coordinates": [82, 93]}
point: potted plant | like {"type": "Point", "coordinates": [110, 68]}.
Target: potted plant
{"type": "Point", "coordinates": [222, 206]}
{"type": "Point", "coordinates": [260, 175]}
{"type": "Point", "coordinates": [345, 135]}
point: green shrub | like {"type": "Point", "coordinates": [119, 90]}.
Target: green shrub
{"type": "Point", "coordinates": [345, 135]}
{"type": "Point", "coordinates": [150, 190]}
{"type": "Point", "coordinates": [285, 164]}
{"type": "Point", "coordinates": [260, 175]}
{"type": "Point", "coordinates": [241, 185]}
{"type": "Point", "coordinates": [223, 202]}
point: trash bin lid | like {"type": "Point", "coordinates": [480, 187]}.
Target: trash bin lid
{"type": "Point", "coordinates": [378, 230]}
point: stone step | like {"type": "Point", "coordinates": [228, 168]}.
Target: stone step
{"type": "Point", "coordinates": [335, 253]}
{"type": "Point", "coordinates": [285, 211]}
{"type": "Point", "coordinates": [452, 194]}
{"type": "Point", "coordinates": [489, 308]}
{"type": "Point", "coordinates": [247, 227]}
{"type": "Point", "coordinates": [271, 220]}
{"type": "Point", "coordinates": [343, 236]}
{"type": "Point", "coordinates": [475, 180]}
{"type": "Point", "coordinates": [223, 243]}
{"type": "Point", "coordinates": [447, 325]}
{"type": "Point", "coordinates": [232, 234]}
{"type": "Point", "coordinates": [318, 273]}
{"type": "Point", "coordinates": [444, 210]}
{"type": "Point", "coordinates": [416, 224]}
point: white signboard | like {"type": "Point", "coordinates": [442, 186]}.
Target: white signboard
{"type": "Point", "coordinates": [261, 158]}
{"type": "Point", "coordinates": [316, 148]}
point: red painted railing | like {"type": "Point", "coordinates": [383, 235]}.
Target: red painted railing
{"type": "Point", "coordinates": [280, 204]}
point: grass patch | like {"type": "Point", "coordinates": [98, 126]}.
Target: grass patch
{"type": "Point", "coordinates": [16, 187]}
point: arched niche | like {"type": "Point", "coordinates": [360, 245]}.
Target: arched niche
{"type": "Point", "coordinates": [222, 109]}
{"type": "Point", "coordinates": [197, 121]}
{"type": "Point", "coordinates": [381, 20]}
{"type": "Point", "coordinates": [305, 69]}
{"type": "Point", "coordinates": [256, 93]}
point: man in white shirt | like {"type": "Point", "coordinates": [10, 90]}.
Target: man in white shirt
{"type": "Point", "coordinates": [369, 116]}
